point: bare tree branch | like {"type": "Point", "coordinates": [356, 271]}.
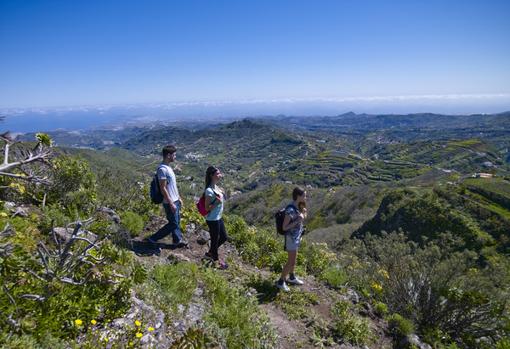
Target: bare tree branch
{"type": "Point", "coordinates": [34, 297]}
{"type": "Point", "coordinates": [8, 166]}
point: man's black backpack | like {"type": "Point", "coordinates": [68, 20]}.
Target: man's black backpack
{"type": "Point", "coordinates": [156, 194]}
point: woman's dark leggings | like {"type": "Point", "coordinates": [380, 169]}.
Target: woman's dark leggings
{"type": "Point", "coordinates": [218, 236]}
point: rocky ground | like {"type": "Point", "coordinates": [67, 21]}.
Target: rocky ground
{"type": "Point", "coordinates": [292, 332]}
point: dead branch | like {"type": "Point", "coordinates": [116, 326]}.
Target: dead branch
{"type": "Point", "coordinates": [22, 158]}
{"type": "Point", "coordinates": [34, 297]}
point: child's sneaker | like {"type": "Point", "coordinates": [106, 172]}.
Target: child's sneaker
{"type": "Point", "coordinates": [282, 286]}
{"type": "Point", "coordinates": [295, 281]}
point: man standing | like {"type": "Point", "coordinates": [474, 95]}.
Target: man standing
{"type": "Point", "coordinates": [172, 202]}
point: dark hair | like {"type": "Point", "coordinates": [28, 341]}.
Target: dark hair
{"type": "Point", "coordinates": [211, 170]}
{"type": "Point", "coordinates": [297, 192]}
{"type": "Point", "coordinates": [168, 149]}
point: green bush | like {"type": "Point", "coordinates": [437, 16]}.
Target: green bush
{"type": "Point", "coordinates": [73, 187]}
{"type": "Point", "coordinates": [317, 257]}
{"type": "Point", "coordinates": [264, 248]}
{"type": "Point", "coordinates": [101, 227]}
{"type": "Point", "coordinates": [120, 191]}
{"type": "Point", "coordinates": [433, 285]}
{"type": "Point", "coordinates": [296, 304]}
{"type": "Point", "coordinates": [238, 320]}
{"type": "Point", "coordinates": [380, 309]}
{"type": "Point", "coordinates": [334, 276]}
{"type": "Point", "coordinates": [132, 222]}
{"type": "Point", "coordinates": [350, 327]}
{"type": "Point", "coordinates": [53, 216]}
{"type": "Point", "coordinates": [503, 344]}
{"type": "Point", "coordinates": [400, 326]}
{"type": "Point", "coordinates": [19, 342]}
{"type": "Point", "coordinates": [59, 302]}
{"type": "Point", "coordinates": [176, 283]}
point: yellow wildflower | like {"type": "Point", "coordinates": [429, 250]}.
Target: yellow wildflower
{"type": "Point", "coordinates": [151, 329]}
{"type": "Point", "coordinates": [138, 335]}
{"type": "Point", "coordinates": [376, 287]}
{"type": "Point", "coordinates": [78, 322]}
{"type": "Point", "coordinates": [384, 273]}
{"type": "Point", "coordinates": [93, 322]}
{"type": "Point", "coordinates": [138, 323]}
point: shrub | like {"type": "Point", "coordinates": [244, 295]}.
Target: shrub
{"type": "Point", "coordinates": [334, 276]}
{"type": "Point", "coordinates": [132, 222]}
{"type": "Point", "coordinates": [120, 191]}
{"type": "Point", "coordinates": [264, 248]}
{"type": "Point", "coordinates": [503, 344]}
{"type": "Point", "coordinates": [296, 303]}
{"type": "Point", "coordinates": [434, 285]}
{"type": "Point", "coordinates": [56, 298]}
{"type": "Point", "coordinates": [176, 283]}
{"type": "Point", "coordinates": [348, 326]}
{"type": "Point", "coordinates": [53, 216]}
{"type": "Point", "coordinates": [237, 318]}
{"type": "Point", "coordinates": [381, 309]}
{"type": "Point", "coordinates": [353, 329]}
{"type": "Point", "coordinates": [101, 227]}
{"type": "Point", "coordinates": [317, 257]}
{"type": "Point", "coordinates": [400, 326]}
{"type": "Point", "coordinates": [73, 187]}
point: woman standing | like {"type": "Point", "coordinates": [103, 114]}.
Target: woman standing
{"type": "Point", "coordinates": [214, 198]}
{"type": "Point", "coordinates": [295, 214]}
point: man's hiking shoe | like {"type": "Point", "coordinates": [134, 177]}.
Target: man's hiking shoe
{"type": "Point", "coordinates": [154, 246]}
{"type": "Point", "coordinates": [181, 244]}
{"type": "Point", "coordinates": [282, 286]}
{"type": "Point", "coordinates": [295, 281]}
{"type": "Point", "coordinates": [149, 240]}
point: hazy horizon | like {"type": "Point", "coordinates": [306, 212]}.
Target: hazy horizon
{"type": "Point", "coordinates": [87, 117]}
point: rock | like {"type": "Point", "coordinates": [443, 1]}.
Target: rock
{"type": "Point", "coordinates": [148, 341]}
{"type": "Point", "coordinates": [251, 292]}
{"type": "Point", "coordinates": [366, 310]}
{"type": "Point", "coordinates": [177, 257]}
{"type": "Point", "coordinates": [9, 205]}
{"type": "Point", "coordinates": [352, 295]}
{"type": "Point", "coordinates": [66, 233]}
{"type": "Point", "coordinates": [203, 237]}
{"type": "Point", "coordinates": [20, 211]}
{"type": "Point", "coordinates": [413, 341]}
{"type": "Point", "coordinates": [110, 214]}
{"type": "Point", "coordinates": [349, 346]}
{"type": "Point", "coordinates": [190, 228]}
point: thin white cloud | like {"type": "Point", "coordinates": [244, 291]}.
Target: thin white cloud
{"type": "Point", "coordinates": [426, 98]}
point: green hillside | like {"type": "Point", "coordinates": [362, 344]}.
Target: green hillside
{"type": "Point", "coordinates": [401, 240]}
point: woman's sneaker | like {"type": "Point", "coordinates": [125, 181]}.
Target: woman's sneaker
{"type": "Point", "coordinates": [295, 281]}
{"type": "Point", "coordinates": [282, 286]}
{"type": "Point", "coordinates": [222, 265]}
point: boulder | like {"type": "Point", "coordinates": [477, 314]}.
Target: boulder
{"type": "Point", "coordinates": [65, 234]}
{"type": "Point", "coordinates": [413, 341]}
{"type": "Point", "coordinates": [110, 214]}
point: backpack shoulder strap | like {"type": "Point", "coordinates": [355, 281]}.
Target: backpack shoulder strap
{"type": "Point", "coordinates": [291, 206]}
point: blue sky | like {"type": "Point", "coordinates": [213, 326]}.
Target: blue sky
{"type": "Point", "coordinates": [112, 52]}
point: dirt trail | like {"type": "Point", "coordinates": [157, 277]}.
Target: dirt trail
{"type": "Point", "coordinates": [293, 333]}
